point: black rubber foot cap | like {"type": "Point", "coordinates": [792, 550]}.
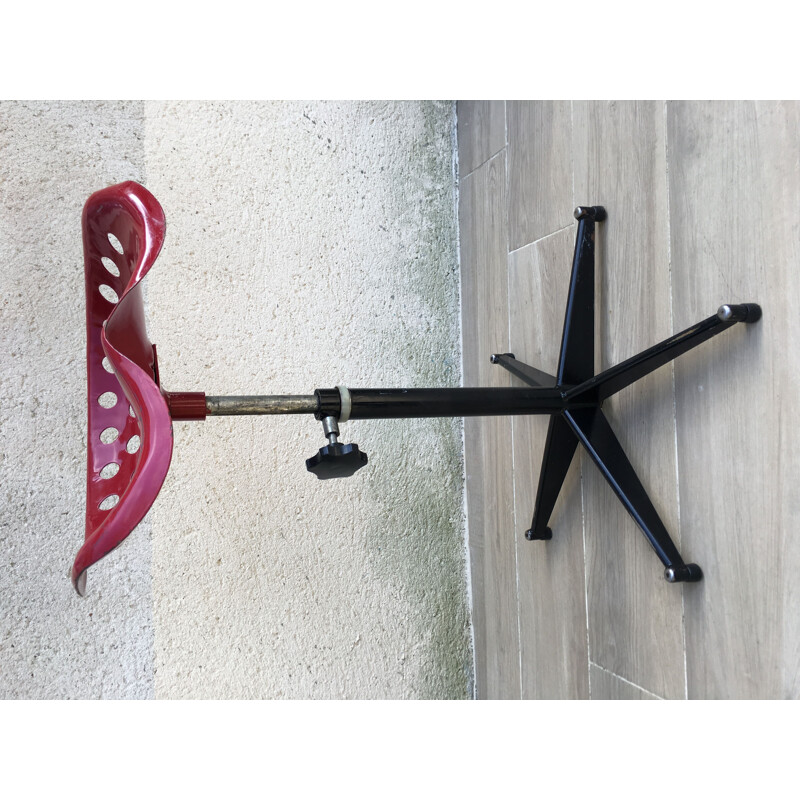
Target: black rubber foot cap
{"type": "Point", "coordinates": [530, 536]}
{"type": "Point", "coordinates": [753, 312]}
{"type": "Point", "coordinates": [688, 573]}
{"type": "Point", "coordinates": [596, 213]}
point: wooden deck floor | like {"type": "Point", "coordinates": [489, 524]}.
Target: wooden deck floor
{"type": "Point", "coordinates": [703, 204]}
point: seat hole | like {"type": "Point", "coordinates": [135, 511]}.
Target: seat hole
{"type": "Point", "coordinates": [115, 243]}
{"type": "Point", "coordinates": [107, 366]}
{"type": "Point", "coordinates": [110, 266]}
{"type": "Point", "coordinates": [108, 293]}
{"type": "Point", "coordinates": [109, 435]}
{"type": "Point", "coordinates": [107, 400]}
{"type": "Point", "coordinates": [109, 471]}
{"type": "Point", "coordinates": [109, 502]}
{"type": "Point", "coordinates": [133, 444]}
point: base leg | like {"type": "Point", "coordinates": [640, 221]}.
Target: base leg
{"type": "Point", "coordinates": [612, 380]}
{"type": "Point", "coordinates": [526, 373]}
{"type": "Point", "coordinates": [576, 357]}
{"type": "Point", "coordinates": [593, 429]}
{"type": "Point", "coordinates": [558, 451]}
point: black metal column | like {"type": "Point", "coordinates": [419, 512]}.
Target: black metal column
{"type": "Point", "coordinates": [486, 402]}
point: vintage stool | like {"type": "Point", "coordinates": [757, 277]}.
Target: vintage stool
{"type": "Point", "coordinates": [130, 415]}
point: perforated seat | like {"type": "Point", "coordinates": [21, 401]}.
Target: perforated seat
{"type": "Point", "coordinates": [123, 231]}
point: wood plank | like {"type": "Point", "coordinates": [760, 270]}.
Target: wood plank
{"type": "Point", "coordinates": [552, 595]}
{"type": "Point", "coordinates": [607, 686]}
{"type": "Point", "coordinates": [481, 132]}
{"type": "Point", "coordinates": [735, 206]}
{"type": "Point", "coordinates": [487, 451]}
{"type": "Point", "coordinates": [539, 170]}
{"type": "Point", "coordinates": [635, 617]}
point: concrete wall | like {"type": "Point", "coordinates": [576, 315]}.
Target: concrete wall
{"type": "Point", "coordinates": [308, 244]}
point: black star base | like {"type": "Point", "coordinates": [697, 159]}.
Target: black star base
{"type": "Point", "coordinates": [581, 419]}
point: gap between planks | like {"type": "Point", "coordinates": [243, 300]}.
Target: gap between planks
{"type": "Point", "coordinates": [483, 163]}
{"type": "Point", "coordinates": [541, 239]}
{"type": "Point", "coordinates": [624, 680]}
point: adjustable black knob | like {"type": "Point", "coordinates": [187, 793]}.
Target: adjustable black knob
{"type": "Point", "coordinates": [336, 461]}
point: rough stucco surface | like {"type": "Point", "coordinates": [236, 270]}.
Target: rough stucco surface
{"type": "Point", "coordinates": [53, 644]}
{"type": "Point", "coordinates": [308, 244]}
